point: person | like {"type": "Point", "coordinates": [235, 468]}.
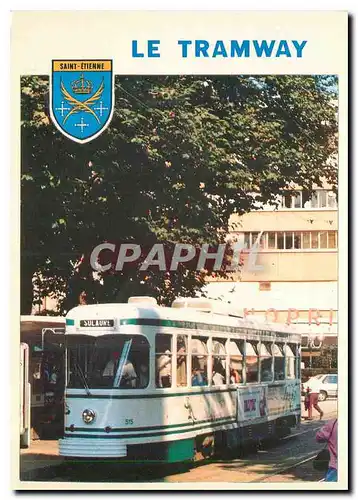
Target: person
{"type": "Point", "coordinates": [314, 389]}
{"type": "Point", "coordinates": [234, 376]}
{"type": "Point", "coordinates": [109, 370]}
{"type": "Point", "coordinates": [218, 378]}
{"type": "Point", "coordinates": [143, 375]}
{"type": "Point", "coordinates": [129, 375]}
{"type": "Point", "coordinates": [181, 366]}
{"type": "Point", "coordinates": [328, 434]}
{"type": "Point", "coordinates": [164, 369]}
{"type": "Point", "coordinates": [218, 374]}
{"type": "Point", "coordinates": [197, 379]}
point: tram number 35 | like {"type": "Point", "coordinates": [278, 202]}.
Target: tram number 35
{"type": "Point", "coordinates": [129, 421]}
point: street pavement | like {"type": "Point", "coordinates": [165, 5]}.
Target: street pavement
{"type": "Point", "coordinates": [41, 462]}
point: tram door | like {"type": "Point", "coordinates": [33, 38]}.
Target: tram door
{"type": "Point", "coordinates": [25, 397]}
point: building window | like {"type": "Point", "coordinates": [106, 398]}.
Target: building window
{"type": "Point", "coordinates": [323, 239]}
{"type": "Point", "coordinates": [288, 241]}
{"type": "Point", "coordinates": [321, 198]}
{"type": "Point", "coordinates": [271, 240]}
{"type": "Point", "coordinates": [287, 200]}
{"type": "Point", "coordinates": [332, 239]}
{"type": "Point", "coordinates": [294, 240]}
{"type": "Point", "coordinates": [306, 199]}
{"type": "Point", "coordinates": [306, 240]}
{"type": "Point", "coordinates": [297, 239]}
{"type": "Point", "coordinates": [332, 201]}
{"type": "Point", "coordinates": [281, 241]}
{"type": "Point", "coordinates": [314, 239]}
{"type": "Point", "coordinates": [297, 200]}
{"type": "Point", "coordinates": [247, 241]}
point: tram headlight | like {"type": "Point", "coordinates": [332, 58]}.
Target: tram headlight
{"type": "Point", "coordinates": [88, 416]}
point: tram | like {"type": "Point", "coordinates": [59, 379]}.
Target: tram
{"type": "Point", "coordinates": [145, 382]}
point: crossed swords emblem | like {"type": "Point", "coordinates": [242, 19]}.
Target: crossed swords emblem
{"type": "Point", "coordinates": [82, 105]}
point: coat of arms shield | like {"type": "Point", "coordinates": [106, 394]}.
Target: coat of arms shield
{"type": "Point", "coordinates": [81, 100]}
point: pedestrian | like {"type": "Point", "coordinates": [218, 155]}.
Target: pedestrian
{"type": "Point", "coordinates": [328, 434]}
{"type": "Point", "coordinates": [314, 389]}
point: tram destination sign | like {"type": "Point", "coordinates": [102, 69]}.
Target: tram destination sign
{"type": "Point", "coordinates": [97, 323]}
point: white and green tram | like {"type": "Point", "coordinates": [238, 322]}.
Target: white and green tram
{"type": "Point", "coordinates": [145, 382]}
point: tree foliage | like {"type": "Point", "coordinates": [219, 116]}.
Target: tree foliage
{"type": "Point", "coordinates": [182, 153]}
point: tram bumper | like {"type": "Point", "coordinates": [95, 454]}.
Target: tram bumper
{"type": "Point", "coordinates": [92, 447]}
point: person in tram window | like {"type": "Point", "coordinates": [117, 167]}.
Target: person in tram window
{"type": "Point", "coordinates": [181, 367]}
{"type": "Point", "coordinates": [266, 375]}
{"type": "Point", "coordinates": [198, 379]}
{"type": "Point", "coordinates": [164, 369]}
{"type": "Point", "coordinates": [218, 374]}
{"type": "Point", "coordinates": [235, 376]}
{"type": "Point", "coordinates": [129, 375]}
{"type": "Point", "coordinates": [111, 366]}
{"type": "Point", "coordinates": [143, 379]}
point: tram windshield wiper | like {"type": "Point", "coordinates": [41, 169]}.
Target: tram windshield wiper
{"type": "Point", "coordinates": [83, 378]}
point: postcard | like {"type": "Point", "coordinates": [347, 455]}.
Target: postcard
{"type": "Point", "coordinates": [179, 184]}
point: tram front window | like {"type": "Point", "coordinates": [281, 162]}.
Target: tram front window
{"type": "Point", "coordinates": [107, 361]}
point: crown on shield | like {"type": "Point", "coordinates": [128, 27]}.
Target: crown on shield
{"type": "Point", "coordinates": [81, 86]}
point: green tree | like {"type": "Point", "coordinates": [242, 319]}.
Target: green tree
{"type": "Point", "coordinates": [182, 154]}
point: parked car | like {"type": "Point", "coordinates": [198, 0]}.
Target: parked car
{"type": "Point", "coordinates": [325, 384]}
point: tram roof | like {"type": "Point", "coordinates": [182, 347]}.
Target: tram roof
{"type": "Point", "coordinates": [119, 312]}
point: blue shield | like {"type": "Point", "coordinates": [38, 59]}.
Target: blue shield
{"type": "Point", "coordinates": [82, 97]}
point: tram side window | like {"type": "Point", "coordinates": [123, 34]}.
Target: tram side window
{"type": "Point", "coordinates": [236, 349]}
{"type": "Point", "coordinates": [182, 360]}
{"type": "Point", "coordinates": [219, 362]}
{"type": "Point", "coordinates": [279, 360]}
{"type": "Point", "coordinates": [199, 361]}
{"type": "Point", "coordinates": [291, 361]}
{"type": "Point", "coordinates": [252, 361]}
{"type": "Point", "coordinates": [163, 360]}
{"type": "Point", "coordinates": [298, 361]}
{"type": "Point", "coordinates": [266, 362]}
